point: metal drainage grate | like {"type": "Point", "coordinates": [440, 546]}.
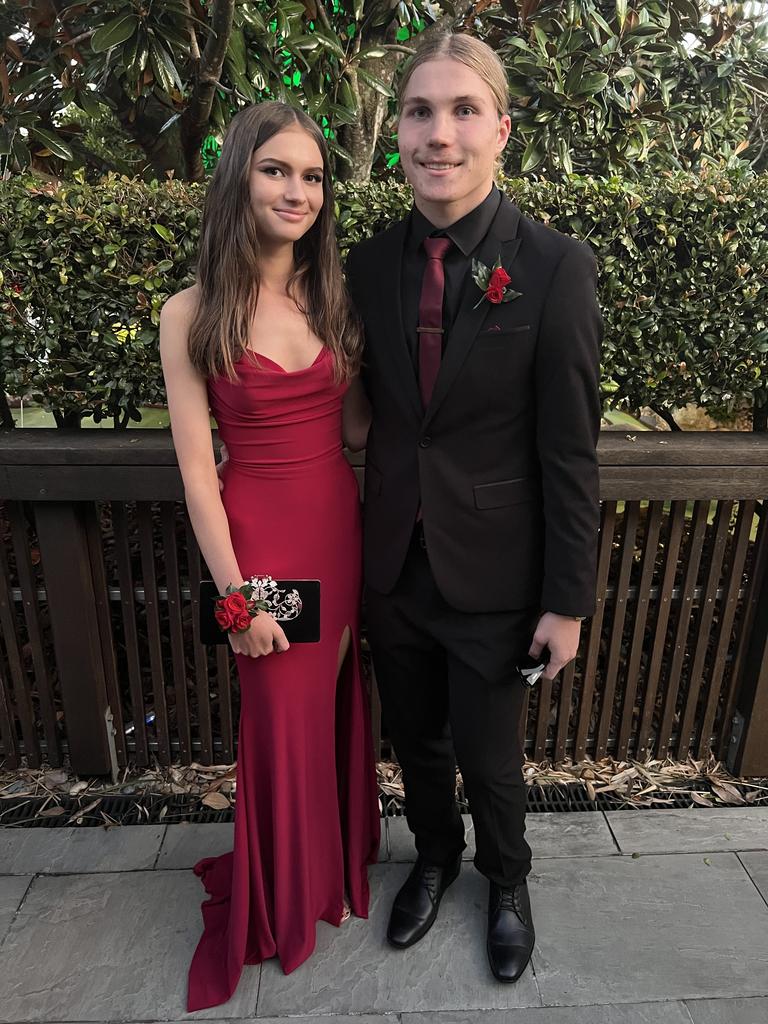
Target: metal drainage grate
{"type": "Point", "coordinates": [25, 812]}
{"type": "Point", "coordinates": [124, 810]}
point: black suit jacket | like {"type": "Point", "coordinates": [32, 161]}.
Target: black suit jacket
{"type": "Point", "coordinates": [503, 460]}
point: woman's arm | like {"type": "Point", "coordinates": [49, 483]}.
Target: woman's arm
{"type": "Point", "coordinates": [356, 416]}
{"type": "Point", "coordinates": [190, 425]}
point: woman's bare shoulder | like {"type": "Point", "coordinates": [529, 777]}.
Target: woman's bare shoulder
{"type": "Point", "coordinates": [180, 308]}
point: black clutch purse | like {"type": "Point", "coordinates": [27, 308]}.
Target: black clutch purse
{"type": "Point", "coordinates": [295, 604]}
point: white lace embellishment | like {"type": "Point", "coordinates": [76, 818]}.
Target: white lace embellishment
{"type": "Point", "coordinates": [283, 605]}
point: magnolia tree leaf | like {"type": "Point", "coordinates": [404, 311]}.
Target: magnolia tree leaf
{"type": "Point", "coordinates": [533, 156]}
{"type": "Point", "coordinates": [592, 84]}
{"type": "Point", "coordinates": [376, 83]}
{"type": "Point", "coordinates": [114, 32]}
{"type": "Point", "coordinates": [53, 142]}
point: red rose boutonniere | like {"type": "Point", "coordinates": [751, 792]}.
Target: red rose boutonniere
{"type": "Point", "coordinates": [493, 282]}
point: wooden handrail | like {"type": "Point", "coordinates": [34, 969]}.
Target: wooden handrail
{"type": "Point", "coordinates": [71, 465]}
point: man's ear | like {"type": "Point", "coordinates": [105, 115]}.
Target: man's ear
{"type": "Point", "coordinates": [505, 129]}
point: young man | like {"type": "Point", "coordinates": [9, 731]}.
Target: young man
{"type": "Point", "coordinates": [481, 504]}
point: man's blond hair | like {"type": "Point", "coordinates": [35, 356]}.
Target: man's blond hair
{"type": "Point", "coordinates": [467, 50]}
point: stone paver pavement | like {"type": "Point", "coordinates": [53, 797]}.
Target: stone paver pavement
{"type": "Point", "coordinates": [184, 845]}
{"type": "Point", "coordinates": [555, 834]}
{"type": "Point", "coordinates": [106, 946]}
{"type": "Point", "coordinates": [719, 830]}
{"type": "Point", "coordinates": [656, 917]}
{"type": "Point", "coordinates": [355, 971]}
{"type": "Point", "coordinates": [757, 867]}
{"type": "Point", "coordinates": [69, 850]}
{"type": "Point", "coordinates": [679, 926]}
{"type": "Point", "coordinates": [728, 1011]}
{"type": "Point", "coordinates": [12, 892]}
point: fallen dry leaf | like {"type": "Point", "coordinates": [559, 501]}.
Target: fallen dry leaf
{"type": "Point", "coordinates": [216, 801]}
{"type": "Point", "coordinates": [51, 812]}
{"type": "Point", "coordinates": [702, 799]}
{"type": "Point", "coordinates": [727, 793]}
{"type": "Point", "coordinates": [654, 782]}
{"type": "Point", "coordinates": [78, 816]}
{"type": "Point", "coordinates": [57, 778]}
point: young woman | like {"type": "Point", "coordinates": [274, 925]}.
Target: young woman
{"type": "Point", "coordinates": [266, 340]}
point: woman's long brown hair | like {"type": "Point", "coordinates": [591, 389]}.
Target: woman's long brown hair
{"type": "Point", "coordinates": [228, 273]}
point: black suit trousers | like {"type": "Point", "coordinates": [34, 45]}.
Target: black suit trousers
{"type": "Point", "coordinates": [450, 694]}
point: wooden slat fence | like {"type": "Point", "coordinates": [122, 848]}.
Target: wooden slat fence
{"type": "Point", "coordinates": [100, 657]}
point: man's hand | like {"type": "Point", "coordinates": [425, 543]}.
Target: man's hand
{"type": "Point", "coordinates": [221, 465]}
{"type": "Point", "coordinates": [560, 634]}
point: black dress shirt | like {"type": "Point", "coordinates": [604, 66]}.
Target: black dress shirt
{"type": "Point", "coordinates": [466, 235]}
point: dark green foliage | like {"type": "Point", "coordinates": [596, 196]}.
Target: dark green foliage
{"type": "Point", "coordinates": [85, 271]}
{"type": "Point", "coordinates": [606, 86]}
{"type": "Point", "coordinates": [157, 81]}
{"type": "Point", "coordinates": [598, 86]}
{"type": "Point", "coordinates": [683, 266]}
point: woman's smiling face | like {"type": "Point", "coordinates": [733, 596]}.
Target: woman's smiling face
{"type": "Point", "coordinates": [286, 186]}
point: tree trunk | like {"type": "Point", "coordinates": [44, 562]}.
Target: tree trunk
{"type": "Point", "coordinates": [177, 149]}
{"type": "Point", "coordinates": [360, 138]}
{"type": "Point", "coordinates": [142, 122]}
{"type": "Point", "coordinates": [167, 155]}
{"type": "Point", "coordinates": [195, 119]}
{"type": "Point", "coordinates": [667, 416]}
{"type": "Point", "coordinates": [67, 420]}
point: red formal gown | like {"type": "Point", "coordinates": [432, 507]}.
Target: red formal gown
{"type": "Point", "coordinates": [306, 818]}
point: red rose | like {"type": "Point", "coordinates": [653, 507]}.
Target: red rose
{"type": "Point", "coordinates": [494, 294]}
{"type": "Point", "coordinates": [222, 616]}
{"type": "Point", "coordinates": [499, 278]}
{"type": "Point", "coordinates": [242, 622]}
{"type": "Point", "coordinates": [235, 603]}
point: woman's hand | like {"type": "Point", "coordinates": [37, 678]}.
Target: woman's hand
{"type": "Point", "coordinates": [263, 636]}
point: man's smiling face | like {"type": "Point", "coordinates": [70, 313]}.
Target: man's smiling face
{"type": "Point", "coordinates": [450, 134]}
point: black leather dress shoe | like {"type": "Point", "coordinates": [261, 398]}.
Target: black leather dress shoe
{"type": "Point", "coordinates": [510, 931]}
{"type": "Point", "coordinates": [416, 905]}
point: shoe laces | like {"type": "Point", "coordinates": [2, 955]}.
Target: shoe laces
{"type": "Point", "coordinates": [509, 899]}
{"type": "Point", "coordinates": [430, 878]}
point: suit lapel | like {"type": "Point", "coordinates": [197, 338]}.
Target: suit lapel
{"type": "Point", "coordinates": [501, 240]}
{"type": "Point", "coordinates": [387, 283]}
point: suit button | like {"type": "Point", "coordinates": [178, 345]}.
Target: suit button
{"type": "Point", "coordinates": [425, 442]}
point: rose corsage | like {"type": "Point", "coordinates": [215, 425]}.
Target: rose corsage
{"type": "Point", "coordinates": [493, 282]}
{"type": "Point", "coordinates": [235, 609]}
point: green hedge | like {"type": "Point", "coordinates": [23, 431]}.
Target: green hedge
{"type": "Point", "coordinates": [85, 269]}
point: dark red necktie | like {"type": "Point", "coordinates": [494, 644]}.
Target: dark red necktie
{"type": "Point", "coordinates": [430, 329]}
